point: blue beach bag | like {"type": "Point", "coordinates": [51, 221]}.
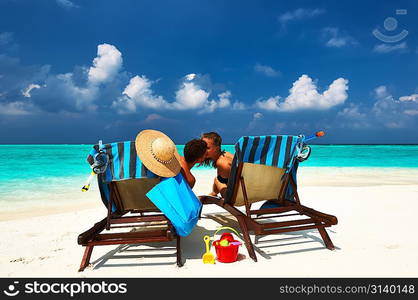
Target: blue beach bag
{"type": "Point", "coordinates": [174, 197]}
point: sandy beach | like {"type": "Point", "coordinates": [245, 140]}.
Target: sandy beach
{"type": "Point", "coordinates": [375, 235]}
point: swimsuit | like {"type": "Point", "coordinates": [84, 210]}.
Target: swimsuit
{"type": "Point", "coordinates": [222, 180]}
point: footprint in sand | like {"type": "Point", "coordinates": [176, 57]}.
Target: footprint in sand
{"type": "Point", "coordinates": [22, 259]}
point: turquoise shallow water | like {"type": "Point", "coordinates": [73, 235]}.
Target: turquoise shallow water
{"type": "Point", "coordinates": [34, 171]}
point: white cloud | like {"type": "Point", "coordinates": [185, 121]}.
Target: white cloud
{"type": "Point", "coordinates": [300, 14]}
{"type": "Point", "coordinates": [106, 65]}
{"type": "Point", "coordinates": [304, 95]}
{"type": "Point", "coordinates": [411, 112]}
{"type": "Point", "coordinates": [224, 99]}
{"type": "Point", "coordinates": [386, 48]}
{"type": "Point", "coordinates": [83, 97]}
{"type": "Point", "coordinates": [352, 112]}
{"type": "Point", "coordinates": [16, 108]}
{"type": "Point", "coordinates": [237, 105]}
{"type": "Point", "coordinates": [67, 4]}
{"type": "Point", "coordinates": [337, 39]}
{"type": "Point", "coordinates": [271, 103]}
{"type": "Point", "coordinates": [266, 70]}
{"type": "Point", "coordinates": [394, 113]}
{"type": "Point", "coordinates": [256, 117]}
{"type": "Point", "coordinates": [27, 91]}
{"type": "Point", "coordinates": [190, 95]}
{"type": "Point", "coordinates": [190, 77]}
{"type": "Point", "coordinates": [413, 98]}
{"type": "Point", "coordinates": [222, 102]}
{"type": "Point", "coordinates": [153, 117]}
{"type": "Point", "coordinates": [138, 93]}
{"type": "Point", "coordinates": [352, 117]}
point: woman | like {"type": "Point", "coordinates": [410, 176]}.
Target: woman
{"type": "Point", "coordinates": [221, 160]}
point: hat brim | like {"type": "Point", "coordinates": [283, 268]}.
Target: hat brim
{"type": "Point", "coordinates": [143, 144]}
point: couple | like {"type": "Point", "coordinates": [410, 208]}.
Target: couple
{"type": "Point", "coordinates": [159, 154]}
{"type": "Point", "coordinates": [207, 151]}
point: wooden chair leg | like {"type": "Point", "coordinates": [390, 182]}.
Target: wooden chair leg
{"type": "Point", "coordinates": [326, 238]}
{"type": "Point", "coordinates": [178, 250]}
{"type": "Point", "coordinates": [86, 258]}
{"type": "Point", "coordinates": [247, 238]}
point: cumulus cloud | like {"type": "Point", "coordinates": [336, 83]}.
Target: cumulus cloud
{"type": "Point", "coordinates": [266, 70]}
{"type": "Point", "coordinates": [138, 93]}
{"type": "Point", "coordinates": [81, 89]}
{"type": "Point", "coordinates": [304, 95]}
{"type": "Point", "coordinates": [106, 65]}
{"type": "Point", "coordinates": [271, 103]}
{"type": "Point", "coordinates": [237, 105]}
{"type": "Point", "coordinates": [190, 95]}
{"type": "Point", "coordinates": [222, 102]}
{"type": "Point", "coordinates": [85, 88]}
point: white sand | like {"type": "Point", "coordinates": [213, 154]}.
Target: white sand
{"type": "Point", "coordinates": [375, 236]}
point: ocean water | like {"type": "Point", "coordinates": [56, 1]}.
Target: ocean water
{"type": "Point", "coordinates": [44, 172]}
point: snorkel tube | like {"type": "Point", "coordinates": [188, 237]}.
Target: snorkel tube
{"type": "Point", "coordinates": [315, 135]}
{"type": "Point", "coordinates": [305, 150]}
{"type": "Point", "coordinates": [86, 186]}
{"type": "Point", "coordinates": [101, 159]}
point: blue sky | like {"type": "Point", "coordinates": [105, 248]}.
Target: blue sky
{"type": "Point", "coordinates": [79, 71]}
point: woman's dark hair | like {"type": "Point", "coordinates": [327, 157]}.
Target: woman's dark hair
{"type": "Point", "coordinates": [217, 141]}
{"type": "Point", "coordinates": [194, 150]}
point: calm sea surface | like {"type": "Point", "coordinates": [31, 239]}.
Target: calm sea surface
{"type": "Point", "coordinates": [33, 171]}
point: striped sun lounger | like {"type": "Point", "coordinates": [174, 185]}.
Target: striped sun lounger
{"type": "Point", "coordinates": [123, 189]}
{"type": "Point", "coordinates": [264, 168]}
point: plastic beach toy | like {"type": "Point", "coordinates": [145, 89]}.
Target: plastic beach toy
{"type": "Point", "coordinates": [208, 257]}
{"type": "Point", "coordinates": [226, 247]}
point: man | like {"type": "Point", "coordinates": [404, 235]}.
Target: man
{"type": "Point", "coordinates": [221, 160]}
{"type": "Point", "coordinates": [195, 152]}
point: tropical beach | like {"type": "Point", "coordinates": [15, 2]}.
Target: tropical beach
{"type": "Point", "coordinates": [284, 129]}
{"type": "Point", "coordinates": [373, 238]}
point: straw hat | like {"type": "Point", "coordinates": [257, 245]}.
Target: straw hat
{"type": "Point", "coordinates": [158, 153]}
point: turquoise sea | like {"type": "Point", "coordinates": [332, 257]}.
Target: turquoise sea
{"type": "Point", "coordinates": [34, 172]}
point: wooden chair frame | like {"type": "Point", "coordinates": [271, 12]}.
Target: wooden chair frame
{"type": "Point", "coordinates": [249, 221]}
{"type": "Point", "coordinates": [136, 219]}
